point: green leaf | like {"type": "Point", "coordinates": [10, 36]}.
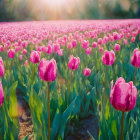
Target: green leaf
{"type": "Point", "coordinates": [114, 129]}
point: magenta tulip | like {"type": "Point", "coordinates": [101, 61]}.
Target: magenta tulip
{"type": "Point", "coordinates": [117, 47]}
{"type": "Point", "coordinates": [73, 62]}
{"type": "Point", "coordinates": [48, 70]}
{"type": "Point", "coordinates": [94, 44]}
{"type": "Point", "coordinates": [35, 56]}
{"type": "Point", "coordinates": [135, 61]}
{"type": "Point", "coordinates": [24, 52]}
{"type": "Point", "coordinates": [86, 72]}
{"type": "Point", "coordinates": [1, 95]}
{"type": "Point", "coordinates": [108, 58]}
{"type": "Point", "coordinates": [11, 53]}
{"type": "Point", "coordinates": [123, 95]}
{"type": "Point", "coordinates": [2, 69]}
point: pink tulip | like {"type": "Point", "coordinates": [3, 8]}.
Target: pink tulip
{"type": "Point", "coordinates": [115, 35]}
{"type": "Point", "coordinates": [49, 49]}
{"type": "Point", "coordinates": [26, 63]}
{"type": "Point", "coordinates": [88, 51]}
{"type": "Point", "coordinates": [35, 56]}
{"type": "Point", "coordinates": [24, 52]}
{"type": "Point", "coordinates": [117, 47]}
{"type": "Point", "coordinates": [86, 72]}
{"type": "Point", "coordinates": [100, 49]}
{"type": "Point", "coordinates": [60, 52]}
{"type": "Point", "coordinates": [135, 61]}
{"type": "Point", "coordinates": [100, 41]}
{"type": "Point", "coordinates": [74, 43]}
{"type": "Point", "coordinates": [20, 57]}
{"type": "Point", "coordinates": [48, 70]}
{"type": "Point", "coordinates": [73, 62]}
{"type": "Point", "coordinates": [1, 48]}
{"type": "Point", "coordinates": [125, 41]}
{"type": "Point", "coordinates": [108, 58]}
{"type": "Point", "coordinates": [11, 53]}
{"type": "Point", "coordinates": [1, 95]}
{"type": "Point", "coordinates": [2, 69]}
{"type": "Point", "coordinates": [85, 44]}
{"type": "Point", "coordinates": [94, 44]}
{"type": "Point", "coordinates": [69, 46]}
{"type": "Point", "coordinates": [133, 39]}
{"type": "Point", "coordinates": [123, 95]}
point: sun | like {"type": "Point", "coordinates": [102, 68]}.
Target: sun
{"type": "Point", "coordinates": [55, 3]}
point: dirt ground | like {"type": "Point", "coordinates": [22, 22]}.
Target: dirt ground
{"type": "Point", "coordinates": [88, 124]}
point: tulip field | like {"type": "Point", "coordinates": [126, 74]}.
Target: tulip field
{"type": "Point", "coordinates": [70, 70]}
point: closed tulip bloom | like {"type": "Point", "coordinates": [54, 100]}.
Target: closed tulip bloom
{"type": "Point", "coordinates": [94, 44]}
{"type": "Point", "coordinates": [86, 72]}
{"type": "Point", "coordinates": [74, 43]}
{"type": "Point", "coordinates": [69, 46]}
{"type": "Point", "coordinates": [35, 56]}
{"type": "Point", "coordinates": [100, 49]}
{"type": "Point", "coordinates": [20, 57]}
{"type": "Point", "coordinates": [108, 58]}
{"type": "Point", "coordinates": [11, 53]}
{"type": "Point", "coordinates": [125, 41]}
{"type": "Point", "coordinates": [26, 63]}
{"type": "Point", "coordinates": [135, 61]}
{"type": "Point", "coordinates": [73, 62]}
{"type": "Point", "coordinates": [100, 41]}
{"type": "Point", "coordinates": [24, 51]}
{"type": "Point", "coordinates": [88, 51]}
{"type": "Point", "coordinates": [2, 69]}
{"type": "Point", "coordinates": [117, 47]}
{"type": "Point", "coordinates": [1, 95]}
{"type": "Point", "coordinates": [123, 95]}
{"type": "Point", "coordinates": [48, 70]}
{"type": "Point", "coordinates": [1, 48]}
{"type": "Point", "coordinates": [49, 49]}
{"type": "Point", "coordinates": [133, 39]}
{"type": "Point", "coordinates": [60, 52]}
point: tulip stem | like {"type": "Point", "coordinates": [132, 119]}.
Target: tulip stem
{"type": "Point", "coordinates": [0, 134]}
{"type": "Point", "coordinates": [122, 125]}
{"type": "Point", "coordinates": [69, 87]}
{"type": "Point", "coordinates": [135, 75]}
{"type": "Point", "coordinates": [48, 111]}
{"type": "Point", "coordinates": [105, 81]}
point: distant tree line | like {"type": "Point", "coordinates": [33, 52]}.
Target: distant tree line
{"type": "Point", "coordinates": [19, 10]}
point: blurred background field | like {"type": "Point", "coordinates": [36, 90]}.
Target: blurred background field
{"type": "Point", "coordinates": [24, 10]}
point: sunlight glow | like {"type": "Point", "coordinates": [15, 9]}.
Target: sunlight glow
{"type": "Point", "coordinates": [56, 3]}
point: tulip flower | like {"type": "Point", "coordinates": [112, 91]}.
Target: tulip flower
{"type": "Point", "coordinates": [24, 52]}
{"type": "Point", "coordinates": [1, 95]}
{"type": "Point", "coordinates": [48, 70]}
{"type": "Point", "coordinates": [108, 59]}
{"type": "Point", "coordinates": [123, 97]}
{"type": "Point", "coordinates": [94, 44]}
{"type": "Point", "coordinates": [73, 62]}
{"type": "Point", "coordinates": [72, 65]}
{"type": "Point", "coordinates": [117, 47]}
{"type": "Point", "coordinates": [86, 72]}
{"type": "Point", "coordinates": [74, 43]}
{"type": "Point", "coordinates": [88, 51]}
{"type": "Point", "coordinates": [2, 69]}
{"type": "Point", "coordinates": [26, 63]}
{"type": "Point", "coordinates": [48, 73]}
{"type": "Point", "coordinates": [135, 61]}
{"type": "Point", "coordinates": [11, 53]}
{"type": "Point", "coordinates": [35, 56]}
{"type": "Point", "coordinates": [20, 57]}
